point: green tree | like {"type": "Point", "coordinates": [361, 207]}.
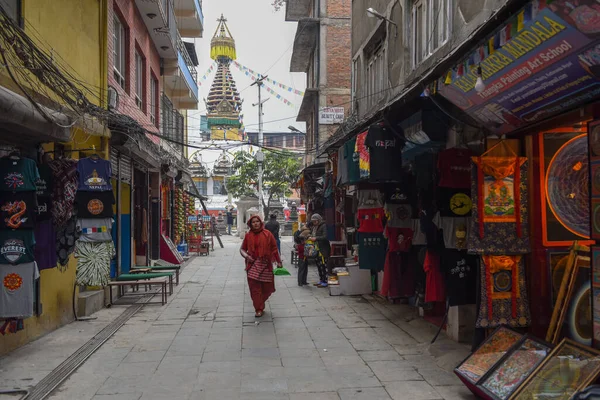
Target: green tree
{"type": "Point", "coordinates": [280, 169]}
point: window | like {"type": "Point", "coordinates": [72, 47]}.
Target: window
{"type": "Point", "coordinates": [167, 117]}
{"type": "Point", "coordinates": [299, 141]}
{"type": "Point", "coordinates": [13, 9]}
{"type": "Point", "coordinates": [217, 186]}
{"type": "Point", "coordinates": [376, 76]}
{"type": "Point", "coordinates": [119, 50]}
{"type": "Point", "coordinates": [179, 130]}
{"type": "Point", "coordinates": [139, 81]}
{"type": "Point", "coordinates": [431, 24]}
{"type": "Point", "coordinates": [201, 186]}
{"type": "Point", "coordinates": [269, 141]}
{"type": "Point", "coordinates": [154, 100]}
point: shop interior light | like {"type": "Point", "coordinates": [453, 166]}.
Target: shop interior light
{"type": "Point", "coordinates": [480, 84]}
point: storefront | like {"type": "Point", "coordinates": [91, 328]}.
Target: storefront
{"type": "Point", "coordinates": [479, 207]}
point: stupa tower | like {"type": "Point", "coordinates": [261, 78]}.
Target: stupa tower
{"type": "Point", "coordinates": [223, 104]}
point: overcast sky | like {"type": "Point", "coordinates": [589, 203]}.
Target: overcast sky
{"type": "Point", "coordinates": [264, 44]}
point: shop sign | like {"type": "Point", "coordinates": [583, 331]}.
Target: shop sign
{"type": "Point", "coordinates": [551, 65]}
{"type": "Point", "coordinates": [331, 115]}
{"type": "Point", "coordinates": [192, 219]}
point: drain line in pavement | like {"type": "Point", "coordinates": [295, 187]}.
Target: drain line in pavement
{"type": "Point", "coordinates": [67, 367]}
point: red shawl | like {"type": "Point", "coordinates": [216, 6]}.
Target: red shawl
{"type": "Point", "coordinates": [260, 243]}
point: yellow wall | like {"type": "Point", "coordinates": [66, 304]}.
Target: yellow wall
{"type": "Point", "coordinates": [225, 134]}
{"type": "Point", "coordinates": [74, 33]}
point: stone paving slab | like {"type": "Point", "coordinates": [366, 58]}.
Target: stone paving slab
{"type": "Point", "coordinates": [206, 344]}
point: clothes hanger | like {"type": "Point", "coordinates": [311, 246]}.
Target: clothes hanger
{"type": "Point", "coordinates": [94, 156]}
{"type": "Point", "coordinates": [15, 155]}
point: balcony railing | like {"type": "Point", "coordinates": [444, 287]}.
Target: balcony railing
{"type": "Point", "coordinates": [187, 59]}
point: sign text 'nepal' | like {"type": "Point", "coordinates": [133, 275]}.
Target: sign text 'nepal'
{"type": "Point", "coordinates": [548, 66]}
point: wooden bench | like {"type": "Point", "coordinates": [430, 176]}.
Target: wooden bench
{"type": "Point", "coordinates": [294, 258]}
{"type": "Point", "coordinates": [142, 278]}
{"type": "Point", "coordinates": [162, 268]}
{"type": "Point", "coordinates": [161, 282]}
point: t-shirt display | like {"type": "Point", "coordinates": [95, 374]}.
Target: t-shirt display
{"type": "Point", "coordinates": [385, 151]}
{"type": "Point", "coordinates": [16, 290]}
{"type": "Point", "coordinates": [94, 174]}
{"type": "Point", "coordinates": [44, 193]}
{"type": "Point", "coordinates": [454, 202]}
{"type": "Point", "coordinates": [435, 290]}
{"type": "Point", "coordinates": [94, 204]}
{"type": "Point", "coordinates": [352, 161]}
{"type": "Point", "coordinates": [64, 172]}
{"type": "Point", "coordinates": [364, 157]}
{"type": "Point", "coordinates": [18, 174]}
{"type": "Point", "coordinates": [454, 167]}
{"type": "Point", "coordinates": [372, 248]}
{"type": "Point", "coordinates": [369, 199]}
{"type": "Point", "coordinates": [460, 270]}
{"type": "Point", "coordinates": [17, 246]}
{"type": "Point", "coordinates": [95, 229]}
{"type": "Point", "coordinates": [402, 193]}
{"type": "Point", "coordinates": [18, 210]}
{"type": "Point", "coordinates": [399, 239]}
{"type": "Point", "coordinates": [425, 167]}
{"type": "Point", "coordinates": [342, 167]}
{"type": "Point", "coordinates": [455, 231]}
{"type": "Point", "coordinates": [370, 220]}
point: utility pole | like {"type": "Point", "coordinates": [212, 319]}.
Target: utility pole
{"type": "Point", "coordinates": [260, 157]}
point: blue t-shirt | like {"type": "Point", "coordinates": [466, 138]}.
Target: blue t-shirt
{"type": "Point", "coordinates": [94, 175]}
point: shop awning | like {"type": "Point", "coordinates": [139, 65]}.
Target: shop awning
{"type": "Point", "coordinates": [305, 43]}
{"type": "Point", "coordinates": [311, 96]}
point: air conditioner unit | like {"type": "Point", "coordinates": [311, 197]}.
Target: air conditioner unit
{"type": "Point", "coordinates": [113, 98]}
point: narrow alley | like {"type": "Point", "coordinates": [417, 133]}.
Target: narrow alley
{"type": "Point", "coordinates": [206, 344]}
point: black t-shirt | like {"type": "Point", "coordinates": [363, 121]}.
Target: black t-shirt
{"type": "Point", "coordinates": [385, 151]}
{"type": "Point", "coordinates": [44, 192]}
{"type": "Point", "coordinates": [425, 166]}
{"type": "Point", "coordinates": [273, 227]}
{"type": "Point", "coordinates": [18, 210]}
{"type": "Point", "coordinates": [461, 276]}
{"type": "Point", "coordinates": [94, 204]}
{"type": "Point", "coordinates": [454, 202]}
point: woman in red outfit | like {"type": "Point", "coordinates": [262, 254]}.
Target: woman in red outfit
{"type": "Point", "coordinates": [259, 248]}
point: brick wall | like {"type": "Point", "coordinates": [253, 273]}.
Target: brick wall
{"type": "Point", "coordinates": [137, 37]}
{"type": "Point", "coordinates": [338, 56]}
{"type": "Point", "coordinates": [339, 8]}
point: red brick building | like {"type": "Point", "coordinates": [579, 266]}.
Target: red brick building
{"type": "Point", "coordinates": [322, 49]}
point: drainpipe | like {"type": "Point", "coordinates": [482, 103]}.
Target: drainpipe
{"type": "Point", "coordinates": [318, 58]}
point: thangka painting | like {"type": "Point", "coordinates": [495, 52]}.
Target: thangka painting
{"type": "Point", "coordinates": [595, 251]}
{"type": "Point", "coordinates": [577, 322]}
{"type": "Point", "coordinates": [557, 263]}
{"type": "Point", "coordinates": [499, 195]}
{"type": "Point", "coordinates": [564, 171]}
{"type": "Point", "coordinates": [516, 365]}
{"type": "Point", "coordinates": [568, 368]}
{"type": "Point", "coordinates": [503, 293]}
{"type": "Point", "coordinates": [491, 350]}
{"type": "Point", "coordinates": [594, 158]}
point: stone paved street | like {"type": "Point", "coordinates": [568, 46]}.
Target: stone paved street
{"type": "Point", "coordinates": [204, 344]}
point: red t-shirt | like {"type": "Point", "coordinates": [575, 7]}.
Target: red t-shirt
{"type": "Point", "coordinates": [454, 166]}
{"type": "Point", "coordinates": [435, 291]}
{"type": "Point", "coordinates": [370, 220]}
{"type": "Point", "coordinates": [399, 239]}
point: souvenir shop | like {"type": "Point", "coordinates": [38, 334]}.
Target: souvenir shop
{"type": "Point", "coordinates": [491, 216]}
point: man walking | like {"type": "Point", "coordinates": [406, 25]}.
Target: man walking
{"type": "Point", "coordinates": [229, 220]}
{"type": "Point", "coordinates": [273, 226]}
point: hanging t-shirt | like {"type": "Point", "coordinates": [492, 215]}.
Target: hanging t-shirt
{"type": "Point", "coordinates": [435, 290]}
{"type": "Point", "coordinates": [419, 238]}
{"type": "Point", "coordinates": [372, 248]}
{"type": "Point", "coordinates": [399, 215]}
{"type": "Point", "coordinates": [399, 239]}
{"type": "Point", "coordinates": [16, 290]}
{"type": "Point", "coordinates": [18, 175]}
{"type": "Point", "coordinates": [364, 160]}
{"type": "Point", "coordinates": [460, 270]}
{"type": "Point", "coordinates": [370, 220]}
{"type": "Point", "coordinates": [94, 174]}
{"type": "Point", "coordinates": [352, 161]}
{"type": "Point", "coordinates": [44, 193]}
{"type": "Point", "coordinates": [402, 193]}
{"type": "Point", "coordinates": [385, 154]}
{"type": "Point", "coordinates": [45, 249]}
{"type": "Point", "coordinates": [95, 229]}
{"type": "Point", "coordinates": [17, 246]}
{"type": "Point", "coordinates": [94, 204]}
{"type": "Point", "coordinates": [369, 199]}
{"type": "Point", "coordinates": [425, 170]}
{"type": "Point", "coordinates": [454, 167]}
{"type": "Point", "coordinates": [454, 202]}
{"type": "Point", "coordinates": [455, 231]}
{"type": "Point", "coordinates": [18, 210]}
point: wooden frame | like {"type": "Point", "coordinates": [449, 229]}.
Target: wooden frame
{"type": "Point", "coordinates": [563, 363]}
{"type": "Point", "coordinates": [566, 293]}
{"type": "Point", "coordinates": [528, 369]}
{"type": "Point", "coordinates": [595, 266]}
{"type": "Point", "coordinates": [543, 189]}
{"type": "Point", "coordinates": [470, 377]}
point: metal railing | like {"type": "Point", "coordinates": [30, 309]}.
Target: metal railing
{"type": "Point", "coordinates": [186, 57]}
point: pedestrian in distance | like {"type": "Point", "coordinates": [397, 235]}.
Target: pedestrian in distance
{"type": "Point", "coordinates": [229, 220]}
{"type": "Point", "coordinates": [300, 239]}
{"type": "Point", "coordinates": [272, 226]}
{"type": "Point", "coordinates": [260, 251]}
{"type": "Point", "coordinates": [319, 236]}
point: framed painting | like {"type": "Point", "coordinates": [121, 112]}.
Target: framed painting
{"type": "Point", "coordinates": [595, 217]}
{"type": "Point", "coordinates": [595, 178]}
{"type": "Point", "coordinates": [595, 251]}
{"type": "Point", "coordinates": [564, 187]}
{"type": "Point", "coordinates": [594, 139]}
{"type": "Point", "coordinates": [481, 360]}
{"type": "Point", "coordinates": [557, 262]}
{"type": "Point", "coordinates": [567, 369]}
{"type": "Point", "coordinates": [512, 369]}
